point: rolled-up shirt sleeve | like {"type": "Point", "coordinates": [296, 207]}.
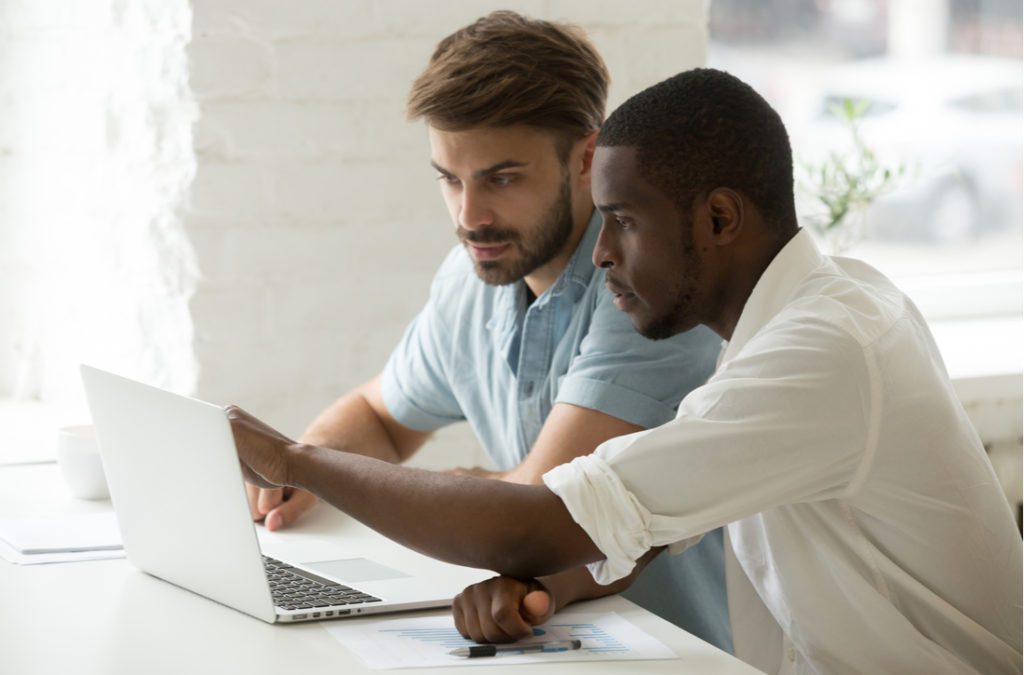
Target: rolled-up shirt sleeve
{"type": "Point", "coordinates": [788, 420]}
{"type": "Point", "coordinates": [609, 513]}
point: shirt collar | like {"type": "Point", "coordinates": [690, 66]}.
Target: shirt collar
{"type": "Point", "coordinates": [576, 276]}
{"type": "Point", "coordinates": [573, 280]}
{"type": "Point", "coordinates": [798, 258]}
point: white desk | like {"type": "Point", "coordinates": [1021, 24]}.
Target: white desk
{"type": "Point", "coordinates": [107, 618]}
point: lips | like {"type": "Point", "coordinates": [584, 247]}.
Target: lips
{"type": "Point", "coordinates": [616, 288]}
{"type": "Point", "coordinates": [622, 297]}
{"type": "Point", "coordinates": [487, 251]}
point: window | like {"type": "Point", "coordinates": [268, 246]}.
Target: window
{"type": "Point", "coordinates": [939, 84]}
{"type": "Point", "coordinates": [95, 155]}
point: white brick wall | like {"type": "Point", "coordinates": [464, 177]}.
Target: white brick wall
{"type": "Point", "coordinates": [315, 220]}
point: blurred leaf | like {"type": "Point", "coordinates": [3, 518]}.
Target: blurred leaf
{"type": "Point", "coordinates": [851, 181]}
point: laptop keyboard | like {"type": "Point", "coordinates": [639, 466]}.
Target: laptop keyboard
{"type": "Point", "coordinates": [294, 588]}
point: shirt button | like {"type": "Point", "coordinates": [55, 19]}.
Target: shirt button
{"type": "Point", "coordinates": [528, 388]}
{"type": "Point", "coordinates": [790, 653]}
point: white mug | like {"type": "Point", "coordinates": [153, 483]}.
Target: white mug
{"type": "Point", "coordinates": [78, 456]}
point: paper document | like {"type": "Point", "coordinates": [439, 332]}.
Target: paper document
{"type": "Point", "coordinates": [11, 555]}
{"type": "Point", "coordinates": [424, 642]}
{"type": "Point", "coordinates": [62, 534]}
{"type": "Point", "coordinates": [60, 538]}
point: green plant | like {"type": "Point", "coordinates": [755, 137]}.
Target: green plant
{"type": "Point", "coordinates": [847, 182]}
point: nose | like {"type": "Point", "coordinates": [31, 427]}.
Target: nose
{"type": "Point", "coordinates": [606, 253]}
{"type": "Point", "coordinates": [474, 210]}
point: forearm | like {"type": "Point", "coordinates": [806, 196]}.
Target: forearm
{"type": "Point", "coordinates": [576, 585]}
{"type": "Point", "coordinates": [350, 425]}
{"type": "Point", "coordinates": [518, 530]}
{"type": "Point", "coordinates": [359, 423]}
{"type": "Point", "coordinates": [568, 432]}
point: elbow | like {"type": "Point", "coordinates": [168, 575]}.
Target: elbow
{"type": "Point", "coordinates": [537, 536]}
{"type": "Point", "coordinates": [534, 550]}
{"type": "Point", "coordinates": [524, 557]}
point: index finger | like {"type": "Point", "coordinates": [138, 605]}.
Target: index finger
{"type": "Point", "coordinates": [259, 453]}
{"type": "Point", "coordinates": [253, 493]}
{"type": "Point", "coordinates": [473, 613]}
{"type": "Point", "coordinates": [505, 612]}
{"type": "Point", "coordinates": [235, 413]}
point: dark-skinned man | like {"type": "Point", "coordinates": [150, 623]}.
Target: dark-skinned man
{"type": "Point", "coordinates": [858, 498]}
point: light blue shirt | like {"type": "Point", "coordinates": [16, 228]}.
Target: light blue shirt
{"type": "Point", "coordinates": [479, 353]}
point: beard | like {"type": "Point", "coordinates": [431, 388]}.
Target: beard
{"type": "Point", "coordinates": [667, 324]}
{"type": "Point", "coordinates": [531, 248]}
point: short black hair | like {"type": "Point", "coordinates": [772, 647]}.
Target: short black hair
{"type": "Point", "coordinates": [704, 129]}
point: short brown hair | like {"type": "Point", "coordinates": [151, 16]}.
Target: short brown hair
{"type": "Point", "coordinates": [505, 69]}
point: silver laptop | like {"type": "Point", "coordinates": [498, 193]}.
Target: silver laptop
{"type": "Point", "coordinates": [177, 489]}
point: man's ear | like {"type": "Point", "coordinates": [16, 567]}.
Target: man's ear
{"type": "Point", "coordinates": [585, 161]}
{"type": "Point", "coordinates": [725, 208]}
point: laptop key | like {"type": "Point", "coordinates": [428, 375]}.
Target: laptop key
{"type": "Point", "coordinates": [300, 589]}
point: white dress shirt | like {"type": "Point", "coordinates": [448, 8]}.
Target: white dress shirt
{"type": "Point", "coordinates": [858, 498]}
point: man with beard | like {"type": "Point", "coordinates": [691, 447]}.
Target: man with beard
{"type": "Point", "coordinates": [519, 336]}
{"type": "Point", "coordinates": [860, 503]}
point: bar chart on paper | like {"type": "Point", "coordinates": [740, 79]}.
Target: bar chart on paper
{"type": "Point", "coordinates": [426, 641]}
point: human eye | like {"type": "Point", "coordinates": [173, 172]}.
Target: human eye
{"type": "Point", "coordinates": [447, 179]}
{"type": "Point", "coordinates": [623, 223]}
{"type": "Point", "coordinates": [503, 179]}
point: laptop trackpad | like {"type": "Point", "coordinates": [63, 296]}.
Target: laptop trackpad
{"type": "Point", "coordinates": [355, 569]}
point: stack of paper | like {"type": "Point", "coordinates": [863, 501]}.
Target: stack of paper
{"type": "Point", "coordinates": [60, 538]}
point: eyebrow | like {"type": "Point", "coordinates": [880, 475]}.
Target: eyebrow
{"type": "Point", "coordinates": [488, 171]}
{"type": "Point", "coordinates": [612, 208]}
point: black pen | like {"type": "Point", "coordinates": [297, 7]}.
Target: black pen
{"type": "Point", "coordinates": [494, 650]}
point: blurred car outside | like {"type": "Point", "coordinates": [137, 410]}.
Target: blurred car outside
{"type": "Point", "coordinates": [953, 123]}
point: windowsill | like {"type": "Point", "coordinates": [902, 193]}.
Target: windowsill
{"type": "Point", "coordinates": [984, 356]}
